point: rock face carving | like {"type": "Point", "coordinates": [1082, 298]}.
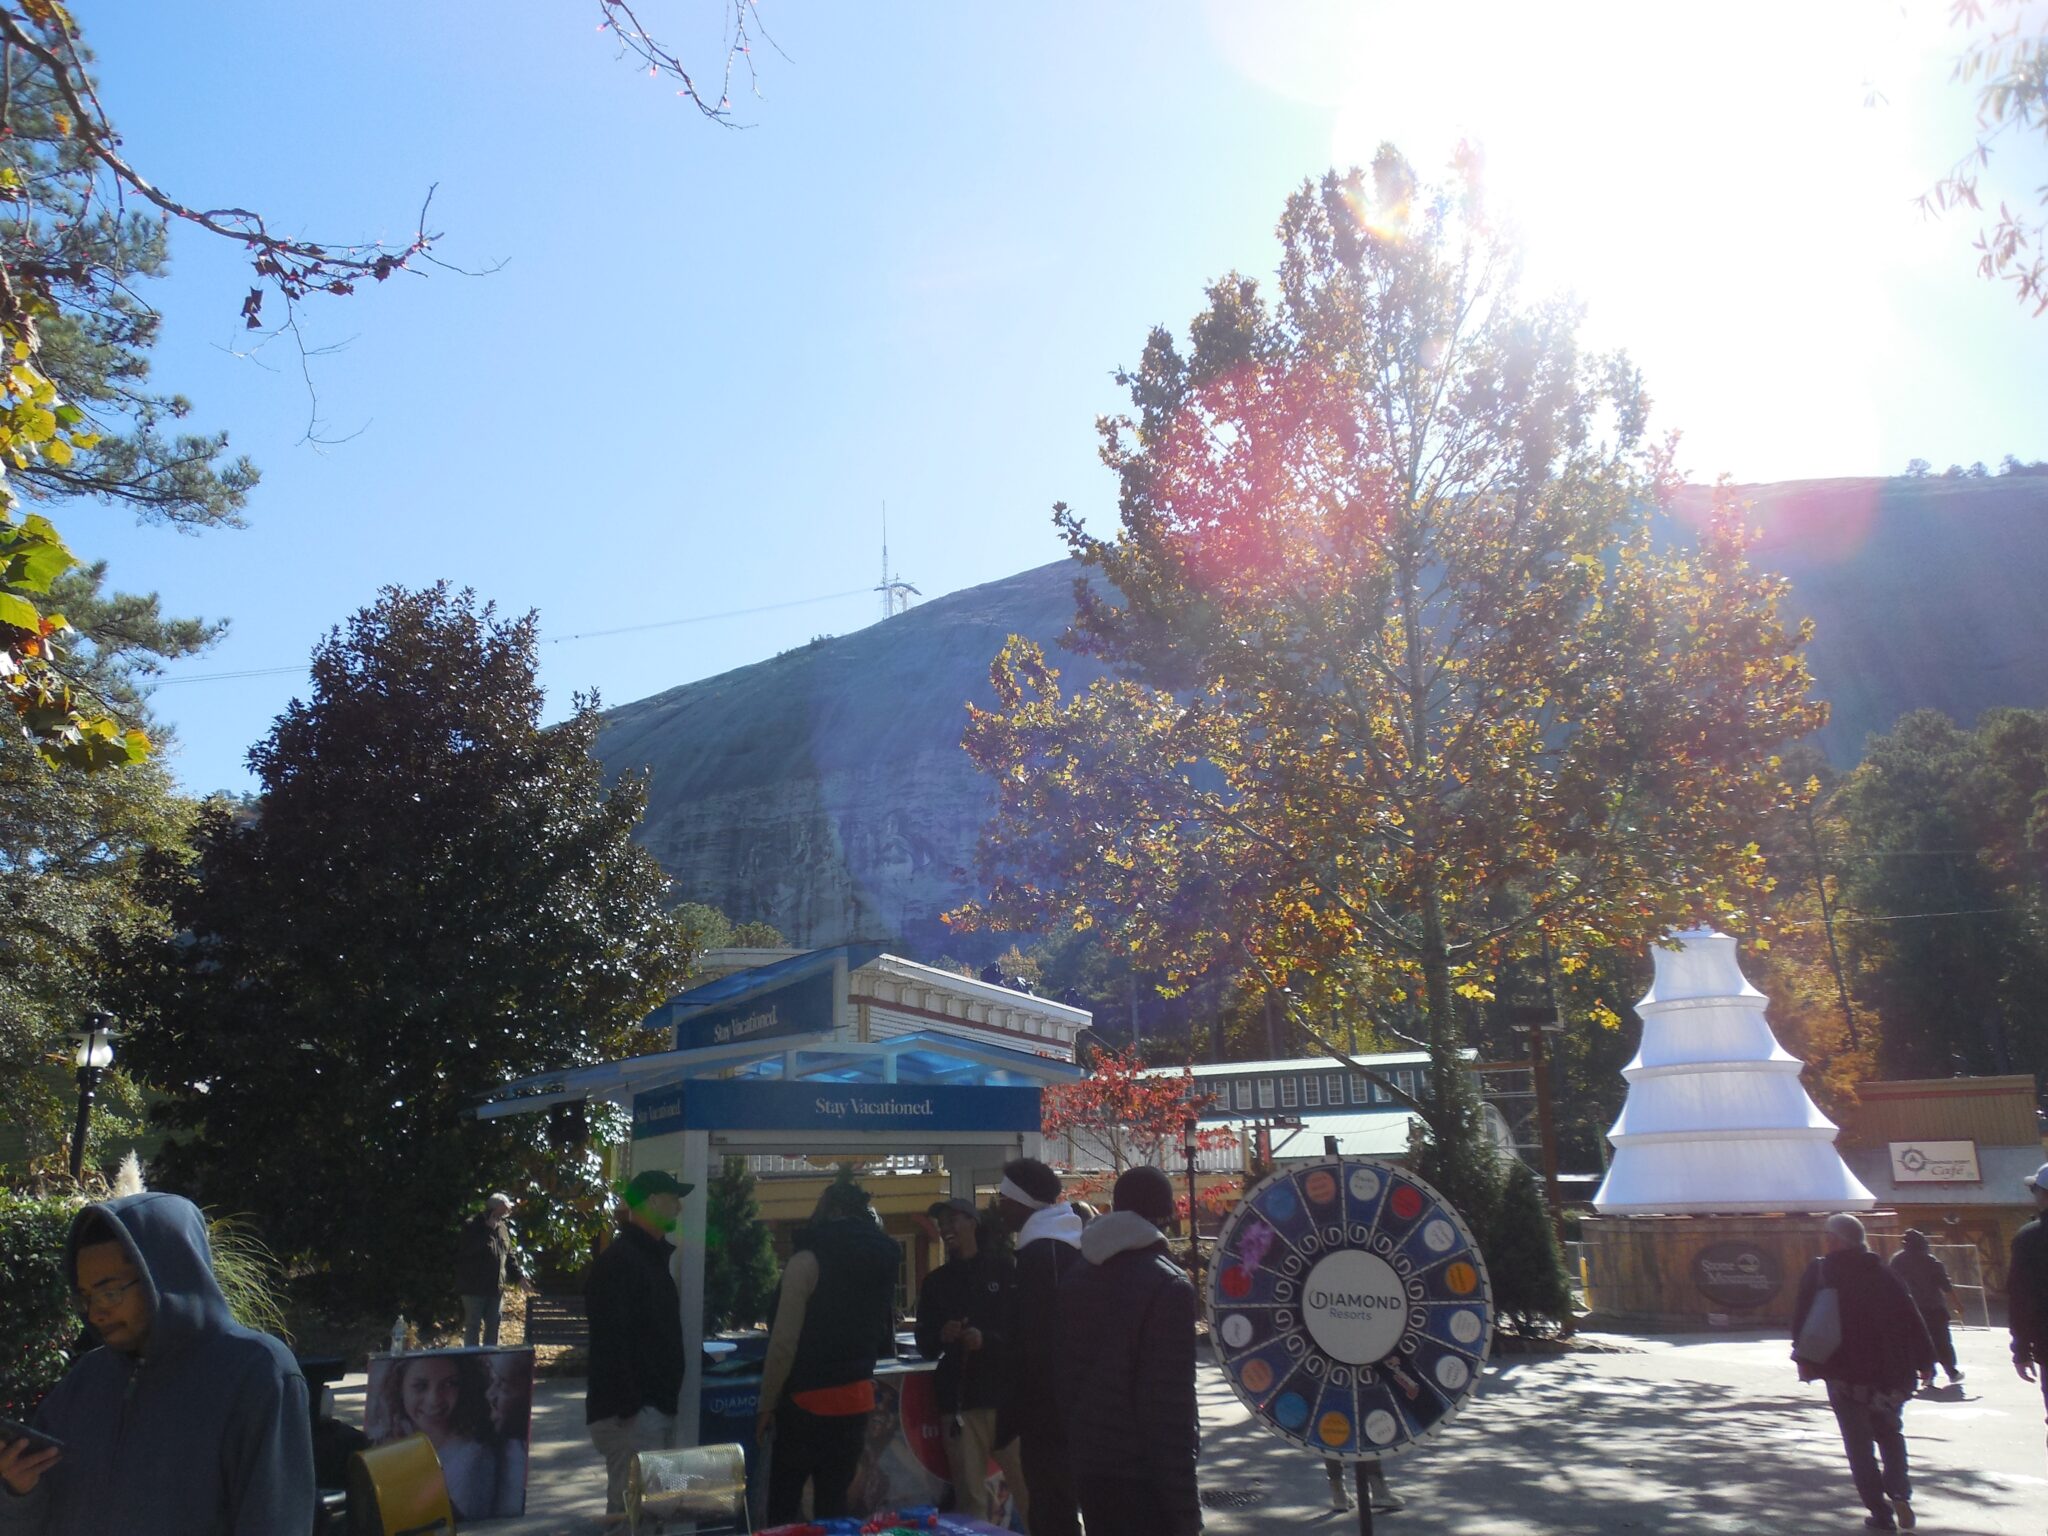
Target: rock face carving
{"type": "Point", "coordinates": [1716, 1118]}
{"type": "Point", "coordinates": [826, 792]}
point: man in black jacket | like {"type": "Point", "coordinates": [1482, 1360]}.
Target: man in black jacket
{"type": "Point", "coordinates": [1127, 1380]}
{"type": "Point", "coordinates": [834, 1317]}
{"type": "Point", "coordinates": [962, 1314]}
{"type": "Point", "coordinates": [486, 1256]}
{"type": "Point", "coordinates": [1883, 1352]}
{"type": "Point", "coordinates": [636, 1333]}
{"type": "Point", "coordinates": [1048, 1247]}
{"type": "Point", "coordinates": [2026, 1289]}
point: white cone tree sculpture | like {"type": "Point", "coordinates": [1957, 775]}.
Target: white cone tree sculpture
{"type": "Point", "coordinates": [1716, 1118]}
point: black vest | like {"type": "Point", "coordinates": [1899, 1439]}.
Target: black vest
{"type": "Point", "coordinates": [851, 1319]}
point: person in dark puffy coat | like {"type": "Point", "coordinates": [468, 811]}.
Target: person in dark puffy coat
{"type": "Point", "coordinates": [1873, 1371]}
{"type": "Point", "coordinates": [180, 1422]}
{"type": "Point", "coordinates": [834, 1318]}
{"type": "Point", "coordinates": [1127, 1380]}
{"type": "Point", "coordinates": [1926, 1280]}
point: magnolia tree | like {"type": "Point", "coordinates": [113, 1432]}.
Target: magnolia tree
{"type": "Point", "coordinates": [1121, 1116]}
{"type": "Point", "coordinates": [1402, 684]}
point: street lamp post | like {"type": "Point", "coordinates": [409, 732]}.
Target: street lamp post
{"type": "Point", "coordinates": [95, 1052]}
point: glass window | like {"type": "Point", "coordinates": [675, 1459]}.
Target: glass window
{"type": "Point", "coordinates": [1244, 1093]}
{"type": "Point", "coordinates": [1311, 1089]}
{"type": "Point", "coordinates": [1287, 1092]}
{"type": "Point", "coordinates": [1265, 1093]}
{"type": "Point", "coordinates": [1363, 1089]}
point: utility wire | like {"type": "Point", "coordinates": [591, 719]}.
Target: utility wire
{"type": "Point", "coordinates": [1901, 917]}
{"type": "Point", "coordinates": [588, 634]}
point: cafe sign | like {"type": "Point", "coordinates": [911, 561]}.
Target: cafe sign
{"type": "Point", "coordinates": [1935, 1162]}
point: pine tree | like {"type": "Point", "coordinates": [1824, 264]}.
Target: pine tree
{"type": "Point", "coordinates": [739, 1252]}
{"type": "Point", "coordinates": [73, 841]}
{"type": "Point", "coordinates": [1522, 1257]}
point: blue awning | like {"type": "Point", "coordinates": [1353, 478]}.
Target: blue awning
{"type": "Point", "coordinates": [925, 1056]}
{"type": "Point", "coordinates": [745, 986]}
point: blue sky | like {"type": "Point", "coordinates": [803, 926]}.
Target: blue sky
{"type": "Point", "coordinates": [711, 356]}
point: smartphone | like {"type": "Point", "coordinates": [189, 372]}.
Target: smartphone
{"type": "Point", "coordinates": [11, 1431]}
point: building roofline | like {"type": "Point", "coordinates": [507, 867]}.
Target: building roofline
{"type": "Point", "coordinates": [1374, 1060]}
{"type": "Point", "coordinates": [952, 981]}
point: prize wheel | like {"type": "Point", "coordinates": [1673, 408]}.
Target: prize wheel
{"type": "Point", "coordinates": [1349, 1307]}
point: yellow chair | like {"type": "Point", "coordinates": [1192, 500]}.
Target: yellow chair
{"type": "Point", "coordinates": [397, 1490]}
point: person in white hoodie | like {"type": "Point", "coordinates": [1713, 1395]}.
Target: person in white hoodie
{"type": "Point", "coordinates": [1048, 1245]}
{"type": "Point", "coordinates": [1127, 1369]}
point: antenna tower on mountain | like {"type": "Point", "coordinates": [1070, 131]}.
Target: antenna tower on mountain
{"type": "Point", "coordinates": [896, 592]}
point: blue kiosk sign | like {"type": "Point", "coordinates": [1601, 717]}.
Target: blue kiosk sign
{"type": "Point", "coordinates": [1349, 1308]}
{"type": "Point", "coordinates": [737, 1104]}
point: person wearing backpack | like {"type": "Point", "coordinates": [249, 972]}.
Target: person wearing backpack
{"type": "Point", "coordinates": [1926, 1280]}
{"type": "Point", "coordinates": [1855, 1328]}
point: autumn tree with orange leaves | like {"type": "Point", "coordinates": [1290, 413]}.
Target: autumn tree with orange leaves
{"type": "Point", "coordinates": [1120, 1116]}
{"type": "Point", "coordinates": [1402, 686]}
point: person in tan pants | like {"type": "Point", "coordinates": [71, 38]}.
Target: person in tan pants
{"type": "Point", "coordinates": [962, 1310]}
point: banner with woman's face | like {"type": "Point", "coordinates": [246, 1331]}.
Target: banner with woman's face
{"type": "Point", "coordinates": [475, 1406]}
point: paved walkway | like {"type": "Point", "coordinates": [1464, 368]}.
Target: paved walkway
{"type": "Point", "coordinates": [1691, 1433]}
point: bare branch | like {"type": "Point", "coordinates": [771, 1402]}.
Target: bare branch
{"type": "Point", "coordinates": [743, 26]}
{"type": "Point", "coordinates": [295, 267]}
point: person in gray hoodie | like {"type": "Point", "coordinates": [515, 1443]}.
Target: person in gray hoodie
{"type": "Point", "coordinates": [181, 1422]}
{"type": "Point", "coordinates": [1127, 1369]}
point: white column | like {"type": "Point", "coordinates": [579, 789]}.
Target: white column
{"type": "Point", "coordinates": [690, 1239]}
{"type": "Point", "coordinates": [959, 1171]}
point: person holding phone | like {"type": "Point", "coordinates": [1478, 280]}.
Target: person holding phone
{"type": "Point", "coordinates": [181, 1421]}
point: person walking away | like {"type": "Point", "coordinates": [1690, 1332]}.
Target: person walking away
{"type": "Point", "coordinates": [178, 1414]}
{"type": "Point", "coordinates": [486, 1256]}
{"type": "Point", "coordinates": [962, 1314]}
{"type": "Point", "coordinates": [636, 1333]}
{"type": "Point", "coordinates": [2026, 1289]}
{"type": "Point", "coordinates": [1048, 1233]}
{"type": "Point", "coordinates": [1884, 1350]}
{"type": "Point", "coordinates": [1127, 1377]}
{"type": "Point", "coordinates": [1926, 1280]}
{"type": "Point", "coordinates": [834, 1317]}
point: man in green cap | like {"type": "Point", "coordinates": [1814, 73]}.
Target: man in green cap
{"type": "Point", "coordinates": [636, 1333]}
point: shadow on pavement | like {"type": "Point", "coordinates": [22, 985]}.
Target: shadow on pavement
{"type": "Point", "coordinates": [1560, 1446]}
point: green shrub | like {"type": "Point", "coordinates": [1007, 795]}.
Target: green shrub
{"type": "Point", "coordinates": [250, 1278]}
{"type": "Point", "coordinates": [1530, 1291]}
{"type": "Point", "coordinates": [739, 1253]}
{"type": "Point", "coordinates": [37, 1321]}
